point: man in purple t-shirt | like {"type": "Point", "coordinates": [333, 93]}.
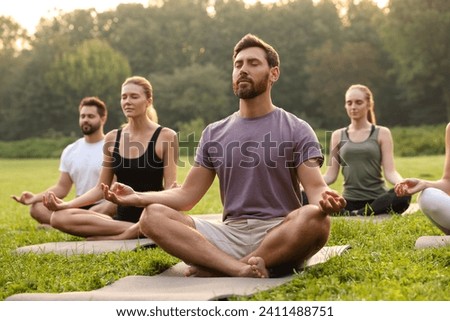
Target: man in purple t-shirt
{"type": "Point", "coordinates": [261, 154]}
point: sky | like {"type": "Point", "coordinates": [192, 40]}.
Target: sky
{"type": "Point", "coordinates": [28, 12]}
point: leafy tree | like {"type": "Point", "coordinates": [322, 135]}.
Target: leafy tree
{"type": "Point", "coordinates": [357, 58]}
{"type": "Point", "coordinates": [192, 92]}
{"type": "Point", "coordinates": [93, 69]}
{"type": "Point", "coordinates": [12, 36]}
{"type": "Point", "coordinates": [416, 36]}
{"type": "Point", "coordinates": [400, 52]}
{"type": "Point", "coordinates": [132, 30]}
{"type": "Point", "coordinates": [301, 28]}
{"type": "Point", "coordinates": [333, 71]}
{"type": "Point", "coordinates": [159, 38]}
{"type": "Point", "coordinates": [36, 109]}
{"type": "Point", "coordinates": [72, 28]}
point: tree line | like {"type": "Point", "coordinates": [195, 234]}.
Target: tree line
{"type": "Point", "coordinates": [184, 47]}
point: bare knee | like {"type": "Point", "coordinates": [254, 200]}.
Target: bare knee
{"type": "Point", "coordinates": [157, 221]}
{"type": "Point", "coordinates": [105, 207]}
{"type": "Point", "coordinates": [316, 223]}
{"type": "Point", "coordinates": [40, 213]}
{"type": "Point", "coordinates": [154, 212]}
{"type": "Point", "coordinates": [58, 219]}
{"type": "Point", "coordinates": [434, 204]}
{"type": "Point", "coordinates": [151, 218]}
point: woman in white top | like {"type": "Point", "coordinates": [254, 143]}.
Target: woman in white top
{"type": "Point", "coordinates": [434, 198]}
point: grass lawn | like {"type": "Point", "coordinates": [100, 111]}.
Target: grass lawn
{"type": "Point", "coordinates": [382, 264]}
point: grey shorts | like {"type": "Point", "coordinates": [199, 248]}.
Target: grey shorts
{"type": "Point", "coordinates": [236, 237]}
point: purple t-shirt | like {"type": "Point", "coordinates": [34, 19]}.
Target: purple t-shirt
{"type": "Point", "coordinates": [256, 160]}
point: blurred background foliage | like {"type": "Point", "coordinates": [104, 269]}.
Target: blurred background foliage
{"type": "Point", "coordinates": [184, 47]}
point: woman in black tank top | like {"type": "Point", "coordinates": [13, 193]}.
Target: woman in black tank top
{"type": "Point", "coordinates": [141, 155]}
{"type": "Point", "coordinates": [131, 171]}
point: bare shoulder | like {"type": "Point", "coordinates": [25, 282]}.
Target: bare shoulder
{"type": "Point", "coordinates": [337, 133]}
{"type": "Point", "coordinates": [168, 134]}
{"type": "Point", "coordinates": [384, 135]}
{"type": "Point", "coordinates": [111, 136]}
{"type": "Point", "coordinates": [384, 131]}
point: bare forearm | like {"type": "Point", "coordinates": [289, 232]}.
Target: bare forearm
{"type": "Point", "coordinates": [176, 198]}
{"type": "Point", "coordinates": [315, 194]}
{"type": "Point", "coordinates": [393, 177]}
{"type": "Point", "coordinates": [92, 196]}
{"type": "Point", "coordinates": [442, 184]}
{"type": "Point", "coordinates": [57, 190]}
{"type": "Point", "coordinates": [329, 178]}
{"type": "Point", "coordinates": [181, 198]}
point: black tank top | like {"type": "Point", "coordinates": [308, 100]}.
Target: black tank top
{"type": "Point", "coordinates": [143, 174]}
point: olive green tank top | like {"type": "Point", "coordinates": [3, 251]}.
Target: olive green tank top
{"type": "Point", "coordinates": [361, 167]}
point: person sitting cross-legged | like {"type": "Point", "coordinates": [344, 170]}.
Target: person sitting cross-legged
{"type": "Point", "coordinates": [260, 154]}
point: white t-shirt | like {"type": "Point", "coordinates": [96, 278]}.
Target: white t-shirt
{"type": "Point", "coordinates": [83, 162]}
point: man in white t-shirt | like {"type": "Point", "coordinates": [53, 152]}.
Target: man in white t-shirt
{"type": "Point", "coordinates": [80, 163]}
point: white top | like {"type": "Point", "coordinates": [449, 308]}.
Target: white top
{"type": "Point", "coordinates": [83, 162]}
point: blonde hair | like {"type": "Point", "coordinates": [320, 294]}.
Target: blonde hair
{"type": "Point", "coordinates": [148, 91]}
{"type": "Point", "coordinates": [369, 97]}
{"type": "Point", "coordinates": [152, 114]}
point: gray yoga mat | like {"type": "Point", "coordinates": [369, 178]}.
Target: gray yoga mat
{"type": "Point", "coordinates": [84, 247]}
{"type": "Point", "coordinates": [96, 247]}
{"type": "Point", "coordinates": [172, 285]}
{"type": "Point", "coordinates": [432, 241]}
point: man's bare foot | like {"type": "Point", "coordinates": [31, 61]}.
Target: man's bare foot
{"type": "Point", "coordinates": [257, 268]}
{"type": "Point", "coordinates": [196, 271]}
{"type": "Point", "coordinates": [254, 268]}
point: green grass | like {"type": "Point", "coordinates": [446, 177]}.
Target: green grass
{"type": "Point", "coordinates": [382, 264]}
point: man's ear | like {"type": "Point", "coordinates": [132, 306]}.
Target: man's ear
{"type": "Point", "coordinates": [274, 74]}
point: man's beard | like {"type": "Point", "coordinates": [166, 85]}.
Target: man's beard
{"type": "Point", "coordinates": [89, 129]}
{"type": "Point", "coordinates": [251, 90]}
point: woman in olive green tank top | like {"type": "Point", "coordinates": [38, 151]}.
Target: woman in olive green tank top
{"type": "Point", "coordinates": [364, 151]}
